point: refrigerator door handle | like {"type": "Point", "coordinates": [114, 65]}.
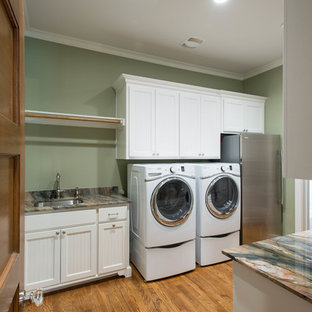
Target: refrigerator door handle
{"type": "Point", "coordinates": [279, 155]}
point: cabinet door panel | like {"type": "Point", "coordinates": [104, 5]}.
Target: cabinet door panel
{"type": "Point", "coordinates": [253, 117]}
{"type": "Point", "coordinates": [233, 115]}
{"type": "Point", "coordinates": [78, 248]}
{"type": "Point", "coordinates": [141, 121]}
{"type": "Point", "coordinates": [210, 126]}
{"type": "Point", "coordinates": [112, 247]}
{"type": "Point", "coordinates": [42, 259]}
{"type": "Point", "coordinates": [167, 123]}
{"type": "Point", "coordinates": [189, 125]}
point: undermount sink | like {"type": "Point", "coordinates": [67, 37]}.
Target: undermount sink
{"type": "Point", "coordinates": [59, 203]}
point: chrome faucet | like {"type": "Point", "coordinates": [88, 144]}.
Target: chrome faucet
{"type": "Point", "coordinates": [77, 192]}
{"type": "Point", "coordinates": [58, 186]}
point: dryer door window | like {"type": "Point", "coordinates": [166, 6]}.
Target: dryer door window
{"type": "Point", "coordinates": [222, 197]}
{"type": "Point", "coordinates": [172, 201]}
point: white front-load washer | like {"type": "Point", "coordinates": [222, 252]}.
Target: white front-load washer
{"type": "Point", "coordinates": [218, 192]}
{"type": "Point", "coordinates": [162, 218]}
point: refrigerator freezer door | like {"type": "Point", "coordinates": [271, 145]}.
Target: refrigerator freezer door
{"type": "Point", "coordinates": [261, 187]}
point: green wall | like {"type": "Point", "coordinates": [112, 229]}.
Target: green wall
{"type": "Point", "coordinates": [270, 84]}
{"type": "Point", "coordinates": [65, 79]}
{"type": "Point", "coordinates": [61, 78]}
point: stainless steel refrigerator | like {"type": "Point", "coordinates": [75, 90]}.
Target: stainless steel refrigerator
{"type": "Point", "coordinates": [261, 182]}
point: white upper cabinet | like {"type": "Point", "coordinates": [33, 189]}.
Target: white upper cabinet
{"type": "Point", "coordinates": [189, 125]}
{"type": "Point", "coordinates": [210, 123]}
{"type": "Point", "coordinates": [166, 120]}
{"type": "Point", "coordinates": [166, 123]}
{"type": "Point", "coordinates": [254, 117]}
{"type": "Point", "coordinates": [200, 126]}
{"type": "Point", "coordinates": [243, 115]}
{"type": "Point", "coordinates": [141, 121]}
{"type": "Point", "coordinates": [233, 115]}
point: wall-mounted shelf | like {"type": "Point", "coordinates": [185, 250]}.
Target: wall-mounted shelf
{"type": "Point", "coordinates": [61, 119]}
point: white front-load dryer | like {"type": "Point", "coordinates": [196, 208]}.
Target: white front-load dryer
{"type": "Point", "coordinates": [162, 218]}
{"type": "Point", "coordinates": [218, 191]}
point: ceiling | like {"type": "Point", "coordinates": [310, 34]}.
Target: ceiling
{"type": "Point", "coordinates": [241, 37]}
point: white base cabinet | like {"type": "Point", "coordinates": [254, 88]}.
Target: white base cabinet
{"type": "Point", "coordinates": [78, 250]}
{"type": "Point", "coordinates": [112, 238]}
{"type": "Point", "coordinates": [75, 247]}
{"type": "Point", "coordinates": [42, 259]}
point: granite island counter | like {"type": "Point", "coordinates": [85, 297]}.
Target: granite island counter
{"type": "Point", "coordinates": [273, 274]}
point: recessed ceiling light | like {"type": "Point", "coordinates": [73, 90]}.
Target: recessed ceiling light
{"type": "Point", "coordinates": [192, 42]}
{"type": "Point", "coordinates": [220, 1]}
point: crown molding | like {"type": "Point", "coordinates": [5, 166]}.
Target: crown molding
{"type": "Point", "coordinates": [103, 48]}
{"type": "Point", "coordinates": [264, 68]}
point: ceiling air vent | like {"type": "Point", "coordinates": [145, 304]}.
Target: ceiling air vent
{"type": "Point", "coordinates": [191, 42]}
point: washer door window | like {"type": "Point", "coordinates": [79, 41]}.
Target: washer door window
{"type": "Point", "coordinates": [222, 197]}
{"type": "Point", "coordinates": [172, 202]}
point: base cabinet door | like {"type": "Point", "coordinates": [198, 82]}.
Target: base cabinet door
{"type": "Point", "coordinates": [78, 252]}
{"type": "Point", "coordinates": [112, 246]}
{"type": "Point", "coordinates": [42, 259]}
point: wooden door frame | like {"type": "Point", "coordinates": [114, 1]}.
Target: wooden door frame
{"type": "Point", "coordinates": [13, 143]}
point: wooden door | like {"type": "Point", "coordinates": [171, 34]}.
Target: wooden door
{"type": "Point", "coordinates": [42, 259]}
{"type": "Point", "coordinates": [78, 252]}
{"type": "Point", "coordinates": [167, 123]}
{"type": "Point", "coordinates": [112, 247]}
{"type": "Point", "coordinates": [210, 126]}
{"type": "Point", "coordinates": [11, 152]}
{"type": "Point", "coordinates": [189, 125]}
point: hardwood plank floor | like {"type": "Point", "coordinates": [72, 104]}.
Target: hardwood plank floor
{"type": "Point", "coordinates": [205, 289]}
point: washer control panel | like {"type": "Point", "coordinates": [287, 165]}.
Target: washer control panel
{"type": "Point", "coordinates": [170, 169]}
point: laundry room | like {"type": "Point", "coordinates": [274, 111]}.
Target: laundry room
{"type": "Point", "coordinates": [154, 157]}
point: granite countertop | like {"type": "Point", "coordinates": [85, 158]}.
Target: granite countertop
{"type": "Point", "coordinates": [285, 260]}
{"type": "Point", "coordinates": [91, 198]}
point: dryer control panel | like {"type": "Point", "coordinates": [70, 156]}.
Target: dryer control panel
{"type": "Point", "coordinates": [160, 170]}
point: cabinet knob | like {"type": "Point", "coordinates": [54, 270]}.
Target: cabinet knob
{"type": "Point", "coordinates": [57, 233]}
{"type": "Point", "coordinates": [63, 232]}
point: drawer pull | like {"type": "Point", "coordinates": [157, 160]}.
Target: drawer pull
{"type": "Point", "coordinates": [113, 214]}
{"type": "Point", "coordinates": [57, 233]}
{"type": "Point", "coordinates": [63, 232]}
{"type": "Point", "coordinates": [113, 227]}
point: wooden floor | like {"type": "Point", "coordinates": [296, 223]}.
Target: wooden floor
{"type": "Point", "coordinates": [205, 289]}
